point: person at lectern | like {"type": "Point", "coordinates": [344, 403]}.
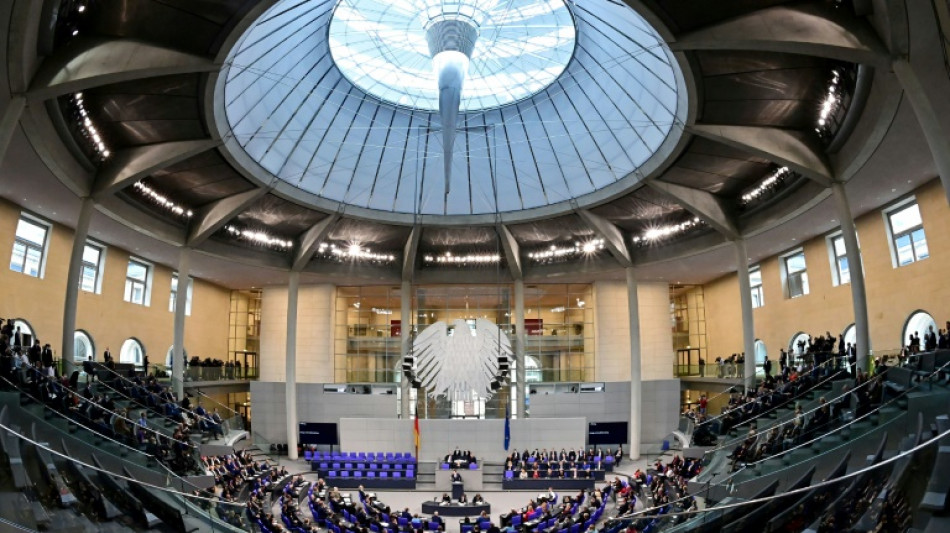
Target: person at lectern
{"type": "Point", "coordinates": [456, 477]}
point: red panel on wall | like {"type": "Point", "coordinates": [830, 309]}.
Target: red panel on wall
{"type": "Point", "coordinates": [395, 328]}
{"type": "Point", "coordinates": [534, 326]}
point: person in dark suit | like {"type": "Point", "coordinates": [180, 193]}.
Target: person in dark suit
{"type": "Point", "coordinates": [47, 356]}
{"type": "Point", "coordinates": [88, 369]}
{"type": "Point", "coordinates": [456, 477]}
{"type": "Point", "coordinates": [463, 499]}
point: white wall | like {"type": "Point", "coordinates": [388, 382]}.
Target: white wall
{"type": "Point", "coordinates": [612, 320]}
{"type": "Point", "coordinates": [315, 315]}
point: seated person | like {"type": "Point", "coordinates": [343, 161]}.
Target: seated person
{"type": "Point", "coordinates": [446, 498]}
{"type": "Point", "coordinates": [477, 499]}
{"type": "Point", "coordinates": [463, 499]}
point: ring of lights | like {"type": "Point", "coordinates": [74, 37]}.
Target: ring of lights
{"type": "Point", "coordinates": [375, 160]}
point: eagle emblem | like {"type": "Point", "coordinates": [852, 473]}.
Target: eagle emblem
{"type": "Point", "coordinates": [460, 361]}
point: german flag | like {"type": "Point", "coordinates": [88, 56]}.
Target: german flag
{"type": "Point", "coordinates": [415, 432]}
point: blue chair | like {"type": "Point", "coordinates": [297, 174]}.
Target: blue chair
{"type": "Point", "coordinates": [576, 528]}
{"type": "Point", "coordinates": [362, 455]}
{"type": "Point", "coordinates": [373, 466]}
{"type": "Point", "coordinates": [433, 526]}
{"type": "Point", "coordinates": [371, 474]}
{"type": "Point", "coordinates": [398, 466]}
{"type": "Point", "coordinates": [473, 466]}
{"type": "Point", "coordinates": [324, 466]}
{"type": "Point", "coordinates": [374, 528]}
{"type": "Point", "coordinates": [385, 466]}
{"type": "Point", "coordinates": [515, 520]}
{"type": "Point", "coordinates": [348, 466]}
{"type": "Point", "coordinates": [467, 528]}
{"type": "Point", "coordinates": [509, 474]}
{"type": "Point", "coordinates": [445, 466]}
{"type": "Point", "coordinates": [385, 517]}
{"type": "Point", "coordinates": [357, 475]}
{"type": "Point", "coordinates": [402, 522]}
{"type": "Point", "coordinates": [331, 474]}
{"type": "Point", "coordinates": [336, 466]}
{"type": "Point", "coordinates": [410, 474]}
{"type": "Point", "coordinates": [384, 474]}
{"type": "Point", "coordinates": [397, 474]}
{"type": "Point", "coordinates": [345, 474]}
{"type": "Point", "coordinates": [307, 455]}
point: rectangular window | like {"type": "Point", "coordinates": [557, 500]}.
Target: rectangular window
{"type": "Point", "coordinates": [91, 269]}
{"type": "Point", "coordinates": [906, 228]}
{"type": "Point", "coordinates": [136, 282]}
{"type": "Point", "coordinates": [174, 295]}
{"type": "Point", "coordinates": [29, 247]}
{"type": "Point", "coordinates": [837, 255]}
{"type": "Point", "coordinates": [755, 279]}
{"type": "Point", "coordinates": [796, 274]}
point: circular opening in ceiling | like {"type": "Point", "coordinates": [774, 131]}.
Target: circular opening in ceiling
{"type": "Point", "coordinates": [516, 48]}
{"type": "Point", "coordinates": [464, 112]}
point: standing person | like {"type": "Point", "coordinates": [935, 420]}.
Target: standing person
{"type": "Point", "coordinates": [767, 366]}
{"type": "Point", "coordinates": [107, 356]}
{"type": "Point", "coordinates": [47, 356]}
{"type": "Point", "coordinates": [703, 404]}
{"type": "Point", "coordinates": [782, 360]}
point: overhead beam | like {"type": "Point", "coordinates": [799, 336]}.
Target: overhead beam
{"type": "Point", "coordinates": [806, 29]}
{"type": "Point", "coordinates": [90, 62]}
{"type": "Point", "coordinates": [213, 217]}
{"type": "Point", "coordinates": [132, 164]}
{"type": "Point", "coordinates": [785, 147]}
{"type": "Point", "coordinates": [613, 237]}
{"type": "Point", "coordinates": [701, 203]}
{"type": "Point", "coordinates": [309, 240]}
{"type": "Point", "coordinates": [512, 251]}
{"type": "Point", "coordinates": [409, 253]}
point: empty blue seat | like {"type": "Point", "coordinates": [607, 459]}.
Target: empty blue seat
{"type": "Point", "coordinates": [348, 466]}
{"type": "Point", "coordinates": [445, 466]}
{"type": "Point", "coordinates": [433, 526]}
{"type": "Point", "coordinates": [410, 474]}
{"type": "Point", "coordinates": [344, 473]}
{"type": "Point", "coordinates": [324, 466]}
{"type": "Point", "coordinates": [358, 474]}
{"type": "Point", "coordinates": [402, 521]}
{"type": "Point", "coordinates": [384, 474]}
{"type": "Point", "coordinates": [385, 466]}
{"type": "Point", "coordinates": [397, 474]}
{"type": "Point", "coordinates": [336, 466]}
{"type": "Point", "coordinates": [371, 474]}
{"type": "Point", "coordinates": [509, 474]}
{"type": "Point", "coordinates": [397, 466]}
{"type": "Point", "coordinates": [307, 455]}
{"type": "Point", "coordinates": [467, 528]}
{"type": "Point", "coordinates": [332, 474]}
{"type": "Point", "coordinates": [473, 466]}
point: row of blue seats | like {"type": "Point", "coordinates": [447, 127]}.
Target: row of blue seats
{"type": "Point", "coordinates": [316, 455]}
{"type": "Point", "coordinates": [370, 474]}
{"type": "Point", "coordinates": [365, 466]}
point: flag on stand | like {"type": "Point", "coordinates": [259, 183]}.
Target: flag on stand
{"type": "Point", "coordinates": [415, 432]}
{"type": "Point", "coordinates": [507, 426]}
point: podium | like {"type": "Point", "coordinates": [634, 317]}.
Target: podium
{"type": "Point", "coordinates": [458, 488]}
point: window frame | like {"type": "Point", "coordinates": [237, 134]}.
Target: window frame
{"type": "Point", "coordinates": [99, 267]}
{"type": "Point", "coordinates": [43, 249]}
{"type": "Point", "coordinates": [146, 283]}
{"type": "Point", "coordinates": [892, 237]}
{"type": "Point", "coordinates": [173, 293]}
{"type": "Point", "coordinates": [834, 260]}
{"type": "Point", "coordinates": [783, 270]}
{"type": "Point", "coordinates": [756, 290]}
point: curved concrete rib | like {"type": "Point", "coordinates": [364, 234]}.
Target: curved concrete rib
{"type": "Point", "coordinates": [808, 29]}
{"type": "Point", "coordinates": [703, 204]}
{"type": "Point", "coordinates": [132, 164]}
{"type": "Point", "coordinates": [785, 147]}
{"type": "Point", "coordinates": [95, 62]}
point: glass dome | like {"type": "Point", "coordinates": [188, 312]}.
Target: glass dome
{"type": "Point", "coordinates": [522, 47]}
{"type": "Point", "coordinates": [563, 105]}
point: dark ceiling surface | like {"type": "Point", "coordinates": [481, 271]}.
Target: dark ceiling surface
{"type": "Point", "coordinates": [735, 87]}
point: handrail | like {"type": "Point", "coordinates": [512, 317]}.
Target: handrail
{"type": "Point", "coordinates": [161, 415]}
{"type": "Point", "coordinates": [809, 371]}
{"type": "Point", "coordinates": [106, 437]}
{"type": "Point", "coordinates": [14, 525]}
{"type": "Point", "coordinates": [792, 420]}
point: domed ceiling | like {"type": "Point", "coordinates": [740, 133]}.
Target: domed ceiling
{"type": "Point", "coordinates": [311, 134]}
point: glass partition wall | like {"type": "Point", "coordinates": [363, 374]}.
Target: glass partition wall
{"type": "Point", "coordinates": [369, 327]}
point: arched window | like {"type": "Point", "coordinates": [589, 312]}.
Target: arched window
{"type": "Point", "coordinates": [169, 357]}
{"type": "Point", "coordinates": [795, 348]}
{"type": "Point", "coordinates": [132, 352]}
{"type": "Point", "coordinates": [27, 335]}
{"type": "Point", "coordinates": [850, 336]}
{"type": "Point", "coordinates": [760, 354]}
{"type": "Point", "coordinates": [83, 347]}
{"type": "Point", "coordinates": [919, 322]}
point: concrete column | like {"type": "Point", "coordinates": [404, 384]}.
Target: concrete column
{"type": "Point", "coordinates": [72, 283]}
{"type": "Point", "coordinates": [859, 298]}
{"type": "Point", "coordinates": [934, 132]}
{"type": "Point", "coordinates": [181, 304]}
{"type": "Point", "coordinates": [748, 322]}
{"type": "Point", "coordinates": [293, 288]}
{"type": "Point", "coordinates": [405, 326]}
{"type": "Point", "coordinates": [9, 121]}
{"type": "Point", "coordinates": [520, 340]}
{"type": "Point", "coordinates": [636, 384]}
